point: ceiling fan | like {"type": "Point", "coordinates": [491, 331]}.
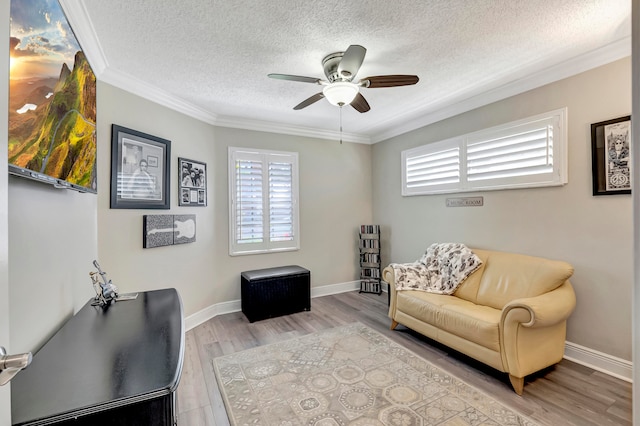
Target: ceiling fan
{"type": "Point", "coordinates": [339, 88]}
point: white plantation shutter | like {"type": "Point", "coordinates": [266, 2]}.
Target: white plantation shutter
{"type": "Point", "coordinates": [263, 201]}
{"type": "Point", "coordinates": [281, 201]}
{"type": "Point", "coordinates": [249, 209]}
{"type": "Point", "coordinates": [437, 166]}
{"type": "Point", "coordinates": [526, 153]}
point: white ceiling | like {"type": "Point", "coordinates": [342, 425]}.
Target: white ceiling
{"type": "Point", "coordinates": [210, 58]}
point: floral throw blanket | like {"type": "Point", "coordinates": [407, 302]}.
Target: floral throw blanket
{"type": "Point", "coordinates": [441, 269]}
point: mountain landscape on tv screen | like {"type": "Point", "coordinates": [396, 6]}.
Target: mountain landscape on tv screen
{"type": "Point", "coordinates": [52, 124]}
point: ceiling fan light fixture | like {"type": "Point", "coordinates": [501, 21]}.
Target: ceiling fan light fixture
{"type": "Point", "coordinates": [340, 93]}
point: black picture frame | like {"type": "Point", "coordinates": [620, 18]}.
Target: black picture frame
{"type": "Point", "coordinates": [192, 183]}
{"type": "Point", "coordinates": [140, 170]}
{"type": "Point", "coordinates": [611, 166]}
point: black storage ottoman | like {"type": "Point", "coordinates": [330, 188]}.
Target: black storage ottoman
{"type": "Point", "coordinates": [272, 292]}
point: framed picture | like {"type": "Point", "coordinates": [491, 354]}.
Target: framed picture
{"type": "Point", "coordinates": [611, 162]}
{"type": "Point", "coordinates": [139, 170]}
{"type": "Point", "coordinates": [168, 229]}
{"type": "Point", "coordinates": [192, 183]}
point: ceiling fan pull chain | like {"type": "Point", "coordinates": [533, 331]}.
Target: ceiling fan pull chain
{"type": "Point", "coordinates": [340, 124]}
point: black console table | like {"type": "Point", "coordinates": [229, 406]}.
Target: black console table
{"type": "Point", "coordinates": [118, 365]}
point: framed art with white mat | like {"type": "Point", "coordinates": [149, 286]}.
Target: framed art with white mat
{"type": "Point", "coordinates": [192, 183]}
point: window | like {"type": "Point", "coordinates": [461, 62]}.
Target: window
{"type": "Point", "coordinates": [263, 201]}
{"type": "Point", "coordinates": [521, 154]}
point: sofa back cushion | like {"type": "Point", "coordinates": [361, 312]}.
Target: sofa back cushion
{"type": "Point", "coordinates": [509, 276]}
{"type": "Point", "coordinates": [468, 289]}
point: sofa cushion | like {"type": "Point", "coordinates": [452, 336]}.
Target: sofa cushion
{"type": "Point", "coordinates": [468, 290]}
{"type": "Point", "coordinates": [509, 276]}
{"type": "Point", "coordinates": [465, 319]}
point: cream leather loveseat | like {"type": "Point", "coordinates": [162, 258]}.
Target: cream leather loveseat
{"type": "Point", "coordinates": [510, 314]}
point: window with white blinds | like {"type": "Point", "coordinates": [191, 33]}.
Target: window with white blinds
{"type": "Point", "coordinates": [263, 201]}
{"type": "Point", "coordinates": [521, 154]}
{"type": "Point", "coordinates": [434, 166]}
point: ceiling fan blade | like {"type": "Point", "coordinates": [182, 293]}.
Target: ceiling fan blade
{"type": "Point", "coordinates": [295, 78]}
{"type": "Point", "coordinates": [360, 104]}
{"type": "Point", "coordinates": [351, 61]}
{"type": "Point", "coordinates": [390, 81]}
{"type": "Point", "coordinates": [310, 100]}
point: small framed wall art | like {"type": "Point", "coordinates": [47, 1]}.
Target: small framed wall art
{"type": "Point", "coordinates": [611, 162]}
{"type": "Point", "coordinates": [192, 185]}
{"type": "Point", "coordinates": [168, 229]}
{"type": "Point", "coordinates": [139, 170]}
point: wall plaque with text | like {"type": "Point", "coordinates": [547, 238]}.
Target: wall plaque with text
{"type": "Point", "coordinates": [465, 202]}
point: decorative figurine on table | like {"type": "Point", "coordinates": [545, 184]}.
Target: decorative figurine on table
{"type": "Point", "coordinates": [106, 291]}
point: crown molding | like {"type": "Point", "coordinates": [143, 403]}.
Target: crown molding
{"type": "Point", "coordinates": [80, 22]}
{"type": "Point", "coordinates": [425, 114]}
{"type": "Point", "coordinates": [82, 28]}
{"type": "Point", "coordinates": [287, 129]}
{"type": "Point", "coordinates": [449, 108]}
{"type": "Point", "coordinates": [154, 94]}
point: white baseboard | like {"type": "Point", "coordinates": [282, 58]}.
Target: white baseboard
{"type": "Point", "coordinates": [209, 312]}
{"type": "Point", "coordinates": [327, 290]}
{"type": "Point", "coordinates": [599, 361]}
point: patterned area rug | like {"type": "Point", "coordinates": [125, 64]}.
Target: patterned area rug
{"type": "Point", "coordinates": [349, 375]}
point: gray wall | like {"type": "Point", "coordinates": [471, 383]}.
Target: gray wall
{"type": "Point", "coordinates": [55, 234]}
{"type": "Point", "coordinates": [335, 197]}
{"type": "Point", "coordinates": [52, 244]}
{"type": "Point", "coordinates": [592, 233]}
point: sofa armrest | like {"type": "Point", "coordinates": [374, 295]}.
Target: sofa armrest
{"type": "Point", "coordinates": [390, 278]}
{"type": "Point", "coordinates": [533, 332]}
{"type": "Point", "coordinates": [541, 311]}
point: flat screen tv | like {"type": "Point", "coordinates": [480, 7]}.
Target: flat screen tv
{"type": "Point", "coordinates": [52, 99]}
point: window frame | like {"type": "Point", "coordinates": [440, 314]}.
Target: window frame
{"type": "Point", "coordinates": [266, 157]}
{"type": "Point", "coordinates": [558, 176]}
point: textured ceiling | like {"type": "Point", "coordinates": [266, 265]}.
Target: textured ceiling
{"type": "Point", "coordinates": [210, 58]}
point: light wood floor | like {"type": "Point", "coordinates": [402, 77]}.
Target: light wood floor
{"type": "Point", "coordinates": [567, 394]}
